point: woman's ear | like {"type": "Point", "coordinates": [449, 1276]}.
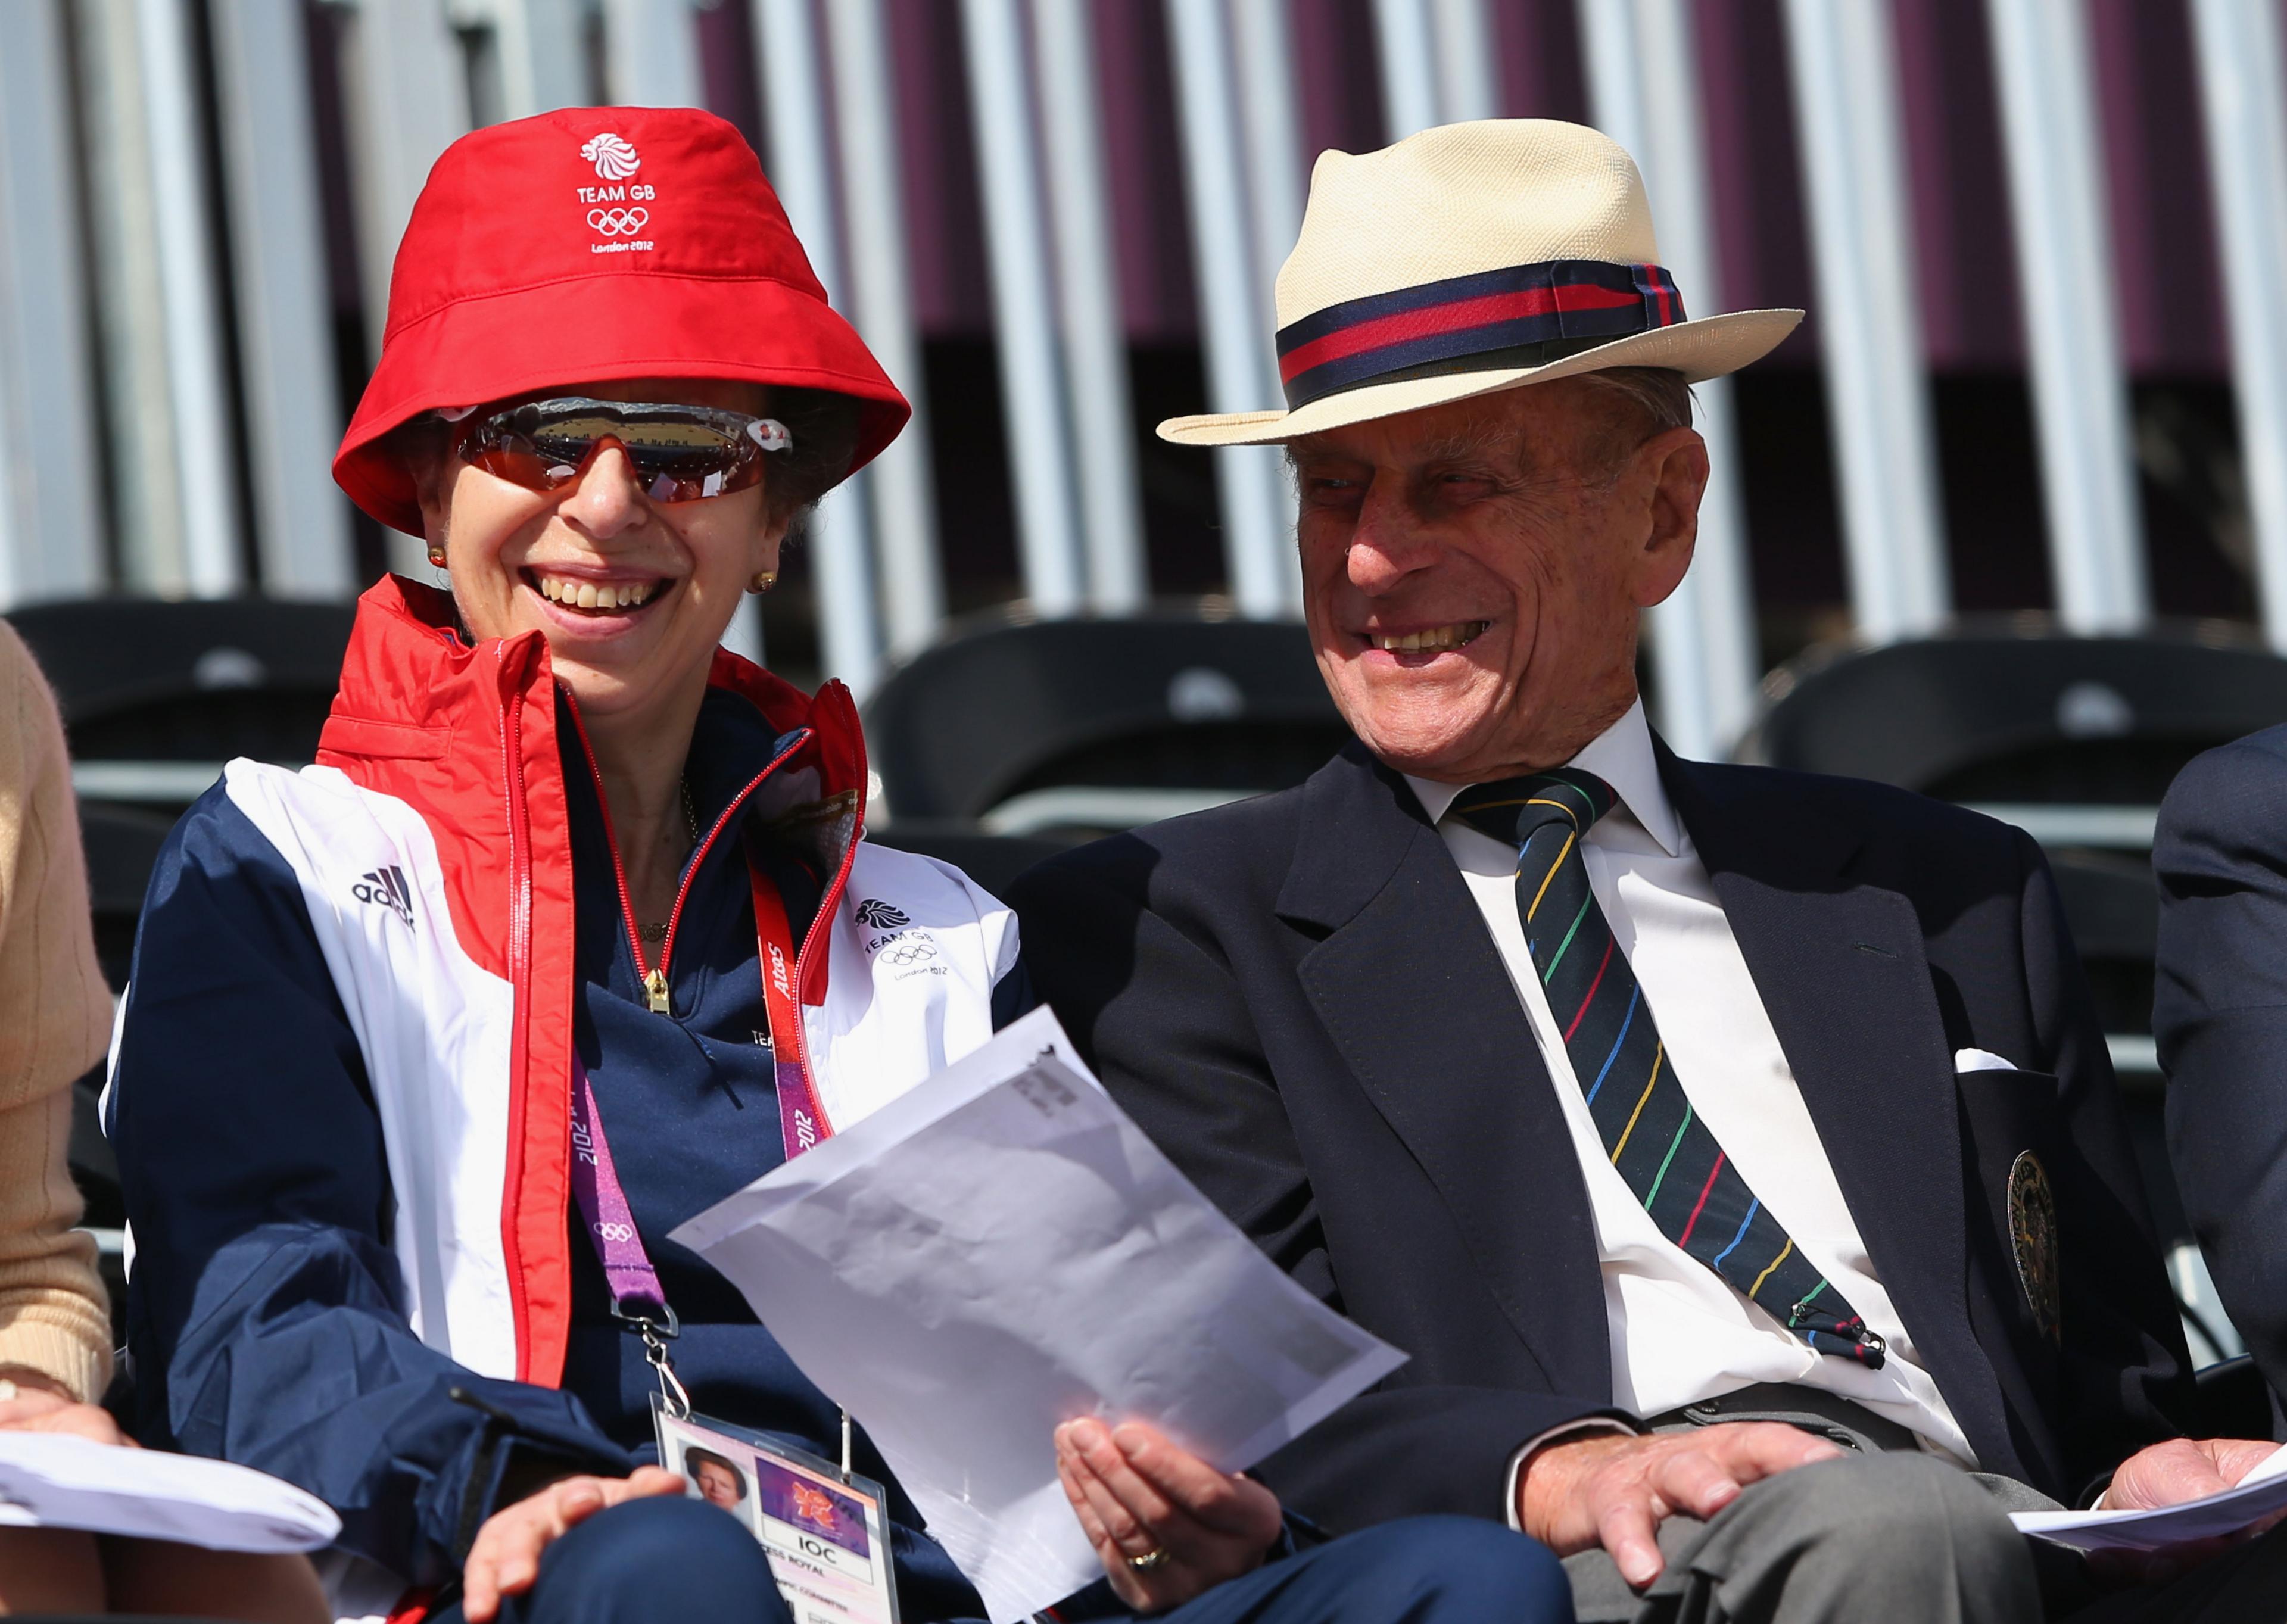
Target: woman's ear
{"type": "Point", "coordinates": [433, 490]}
{"type": "Point", "coordinates": [770, 542]}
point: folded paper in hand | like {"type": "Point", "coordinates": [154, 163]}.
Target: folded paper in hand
{"type": "Point", "coordinates": [2261, 1494]}
{"type": "Point", "coordinates": [56, 1480]}
{"type": "Point", "coordinates": [999, 1250]}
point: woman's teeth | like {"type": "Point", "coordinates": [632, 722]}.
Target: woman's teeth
{"type": "Point", "coordinates": [1437, 639]}
{"type": "Point", "coordinates": [594, 595]}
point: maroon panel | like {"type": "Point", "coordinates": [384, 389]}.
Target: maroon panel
{"type": "Point", "coordinates": [1964, 257]}
{"type": "Point", "coordinates": [726, 69]}
{"type": "Point", "coordinates": [1536, 43]}
{"type": "Point", "coordinates": [2156, 187]}
{"type": "Point", "coordinates": [1754, 173]}
{"type": "Point", "coordinates": [1341, 75]}
{"type": "Point", "coordinates": [1143, 152]}
{"type": "Point", "coordinates": [945, 217]}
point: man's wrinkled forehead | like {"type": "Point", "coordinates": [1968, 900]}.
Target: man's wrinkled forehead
{"type": "Point", "coordinates": [1511, 430]}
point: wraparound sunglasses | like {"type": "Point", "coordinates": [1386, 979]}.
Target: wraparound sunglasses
{"type": "Point", "coordinates": [680, 453]}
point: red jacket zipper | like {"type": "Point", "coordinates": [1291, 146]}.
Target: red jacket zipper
{"type": "Point", "coordinates": [655, 982]}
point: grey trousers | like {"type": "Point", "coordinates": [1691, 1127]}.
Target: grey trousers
{"type": "Point", "coordinates": [1901, 1539]}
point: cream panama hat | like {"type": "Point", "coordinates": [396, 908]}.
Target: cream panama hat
{"type": "Point", "coordinates": [1471, 259]}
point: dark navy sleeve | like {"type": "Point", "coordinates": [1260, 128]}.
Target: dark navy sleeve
{"type": "Point", "coordinates": [1013, 997]}
{"type": "Point", "coordinates": [2219, 1014]}
{"type": "Point", "coordinates": [265, 1313]}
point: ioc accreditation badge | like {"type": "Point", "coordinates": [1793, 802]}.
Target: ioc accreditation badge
{"type": "Point", "coordinates": [2033, 1238]}
{"type": "Point", "coordinates": [824, 1532]}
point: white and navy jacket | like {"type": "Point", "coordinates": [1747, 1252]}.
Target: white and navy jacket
{"type": "Point", "coordinates": [341, 1085]}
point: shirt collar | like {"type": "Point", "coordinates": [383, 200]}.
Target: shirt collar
{"type": "Point", "coordinates": [1622, 756]}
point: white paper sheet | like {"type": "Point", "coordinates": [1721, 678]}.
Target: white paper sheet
{"type": "Point", "coordinates": [2259, 1494]}
{"type": "Point", "coordinates": [1001, 1250]}
{"type": "Point", "coordinates": [56, 1480]}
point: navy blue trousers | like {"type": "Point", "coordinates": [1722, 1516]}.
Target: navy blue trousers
{"type": "Point", "coordinates": [684, 1561]}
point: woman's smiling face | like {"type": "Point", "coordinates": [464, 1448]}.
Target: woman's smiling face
{"type": "Point", "coordinates": [632, 595]}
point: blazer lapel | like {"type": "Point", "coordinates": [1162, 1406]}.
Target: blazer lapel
{"type": "Point", "coordinates": [1841, 967]}
{"type": "Point", "coordinates": [1413, 993]}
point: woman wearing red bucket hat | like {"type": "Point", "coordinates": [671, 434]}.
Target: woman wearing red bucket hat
{"type": "Point", "coordinates": [574, 914]}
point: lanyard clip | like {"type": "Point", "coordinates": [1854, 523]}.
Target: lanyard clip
{"type": "Point", "coordinates": [656, 1335]}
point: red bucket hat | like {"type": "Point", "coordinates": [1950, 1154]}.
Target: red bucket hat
{"type": "Point", "coordinates": [595, 243]}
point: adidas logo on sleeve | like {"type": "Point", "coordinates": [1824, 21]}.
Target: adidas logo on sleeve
{"type": "Point", "coordinates": [386, 888]}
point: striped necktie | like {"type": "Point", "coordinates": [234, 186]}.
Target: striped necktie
{"type": "Point", "coordinates": [1646, 1121]}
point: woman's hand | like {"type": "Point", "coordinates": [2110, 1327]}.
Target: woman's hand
{"type": "Point", "coordinates": [506, 1559]}
{"type": "Point", "coordinates": [44, 1409]}
{"type": "Point", "coordinates": [1136, 1493]}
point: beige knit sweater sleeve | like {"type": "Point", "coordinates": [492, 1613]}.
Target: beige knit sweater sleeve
{"type": "Point", "coordinates": [55, 1020]}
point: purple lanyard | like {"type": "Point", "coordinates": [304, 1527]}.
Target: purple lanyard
{"type": "Point", "coordinates": [628, 1271]}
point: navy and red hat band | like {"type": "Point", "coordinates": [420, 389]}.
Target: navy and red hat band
{"type": "Point", "coordinates": [1526, 316]}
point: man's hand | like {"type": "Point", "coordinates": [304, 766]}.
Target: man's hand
{"type": "Point", "coordinates": [1135, 1492]}
{"type": "Point", "coordinates": [2184, 1469]}
{"type": "Point", "coordinates": [1615, 1492]}
{"type": "Point", "coordinates": [2169, 1474]}
{"type": "Point", "coordinates": [506, 1559]}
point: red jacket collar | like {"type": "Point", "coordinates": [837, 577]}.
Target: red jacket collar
{"type": "Point", "coordinates": [409, 666]}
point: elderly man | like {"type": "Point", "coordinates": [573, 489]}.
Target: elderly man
{"type": "Point", "coordinates": [1734, 1151]}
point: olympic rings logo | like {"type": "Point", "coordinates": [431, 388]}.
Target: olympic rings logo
{"type": "Point", "coordinates": [616, 1231]}
{"type": "Point", "coordinates": [916, 949]}
{"type": "Point", "coordinates": [619, 222]}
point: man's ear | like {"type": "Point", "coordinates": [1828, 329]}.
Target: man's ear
{"type": "Point", "coordinates": [1676, 462]}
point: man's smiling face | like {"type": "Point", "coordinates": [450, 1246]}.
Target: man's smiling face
{"type": "Point", "coordinates": [1472, 573]}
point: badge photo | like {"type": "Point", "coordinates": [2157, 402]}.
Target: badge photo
{"type": "Point", "coordinates": [824, 1533]}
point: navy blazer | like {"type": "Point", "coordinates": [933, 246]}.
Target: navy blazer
{"type": "Point", "coordinates": [1298, 999]}
{"type": "Point", "coordinates": [2219, 1013]}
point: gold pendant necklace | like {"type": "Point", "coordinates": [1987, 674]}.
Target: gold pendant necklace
{"type": "Point", "coordinates": [656, 933]}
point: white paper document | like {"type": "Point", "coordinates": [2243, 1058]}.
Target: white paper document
{"type": "Point", "coordinates": [1001, 1250]}
{"type": "Point", "coordinates": [2259, 1494]}
{"type": "Point", "coordinates": [56, 1480]}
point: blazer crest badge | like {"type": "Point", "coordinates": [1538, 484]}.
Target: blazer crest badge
{"type": "Point", "coordinates": [2033, 1237]}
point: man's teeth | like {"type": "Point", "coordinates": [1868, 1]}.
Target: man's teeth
{"type": "Point", "coordinates": [1436, 639]}
{"type": "Point", "coordinates": [592, 595]}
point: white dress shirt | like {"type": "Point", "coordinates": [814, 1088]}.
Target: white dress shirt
{"type": "Point", "coordinates": [1680, 1333]}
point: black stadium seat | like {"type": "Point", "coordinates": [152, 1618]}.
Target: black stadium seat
{"type": "Point", "coordinates": [2074, 740]}
{"type": "Point", "coordinates": [1083, 726]}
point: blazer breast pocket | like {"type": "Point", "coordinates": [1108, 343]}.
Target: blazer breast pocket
{"type": "Point", "coordinates": [2013, 1139]}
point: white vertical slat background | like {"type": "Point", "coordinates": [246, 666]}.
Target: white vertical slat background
{"type": "Point", "coordinates": [2072, 325]}
{"type": "Point", "coordinates": [1024, 302]}
{"type": "Point", "coordinates": [1869, 319]}
{"type": "Point", "coordinates": [190, 297]}
{"type": "Point", "coordinates": [285, 342]}
{"type": "Point", "coordinates": [542, 47]}
{"type": "Point", "coordinates": [50, 476]}
{"type": "Point", "coordinates": [409, 101]}
{"type": "Point", "coordinates": [2243, 94]}
{"type": "Point", "coordinates": [901, 491]}
{"type": "Point", "coordinates": [1645, 94]}
{"type": "Point", "coordinates": [833, 113]}
{"type": "Point", "coordinates": [1468, 86]}
{"type": "Point", "coordinates": [1278, 172]}
{"type": "Point", "coordinates": [1091, 324]}
{"type": "Point", "coordinates": [651, 54]}
{"type": "Point", "coordinates": [1234, 300]}
{"type": "Point", "coordinates": [793, 73]}
{"type": "Point", "coordinates": [1437, 63]}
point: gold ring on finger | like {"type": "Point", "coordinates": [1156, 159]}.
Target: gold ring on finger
{"type": "Point", "coordinates": [1154, 1558]}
